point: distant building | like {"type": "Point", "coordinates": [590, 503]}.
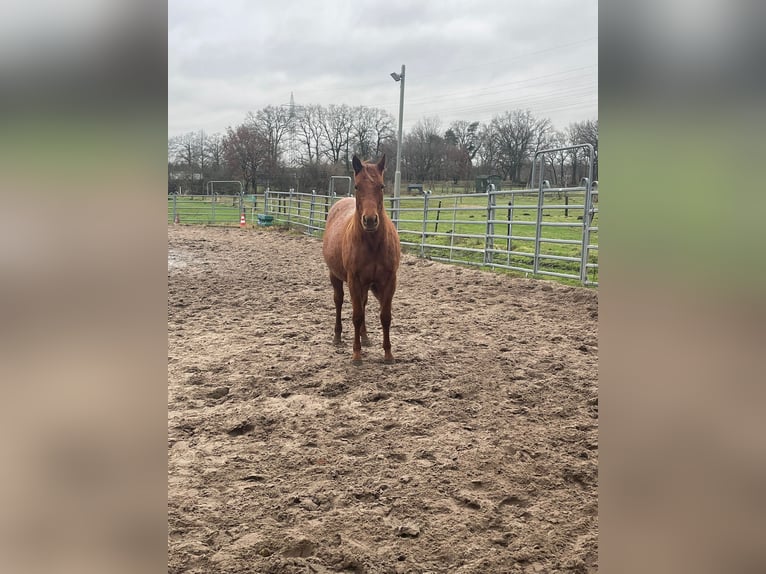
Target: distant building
{"type": "Point", "coordinates": [484, 181]}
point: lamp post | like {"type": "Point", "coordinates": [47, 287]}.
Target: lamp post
{"type": "Point", "coordinates": [398, 175]}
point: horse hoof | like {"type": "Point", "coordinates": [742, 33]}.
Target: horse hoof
{"type": "Point", "coordinates": [389, 361]}
{"type": "Point", "coordinates": [336, 342]}
{"type": "Point", "coordinates": [356, 362]}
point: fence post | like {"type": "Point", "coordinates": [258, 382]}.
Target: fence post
{"type": "Point", "coordinates": [212, 206]}
{"type": "Point", "coordinates": [425, 223]}
{"type": "Point", "coordinates": [510, 228]}
{"type": "Point", "coordinates": [299, 202]}
{"type": "Point", "coordinates": [489, 242]}
{"type": "Point", "coordinates": [585, 235]}
{"type": "Point", "coordinates": [452, 235]}
{"type": "Point", "coordinates": [311, 211]}
{"type": "Point", "coordinates": [265, 201]}
{"type": "Point", "coordinates": [438, 213]}
{"type": "Point", "coordinates": [289, 206]}
{"type": "Point", "coordinates": [175, 207]}
{"type": "Point", "coordinates": [538, 227]}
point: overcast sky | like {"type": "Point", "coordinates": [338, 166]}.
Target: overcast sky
{"type": "Point", "coordinates": [466, 60]}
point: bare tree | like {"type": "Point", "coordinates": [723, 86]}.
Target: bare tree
{"type": "Point", "coordinates": [184, 151]}
{"type": "Point", "coordinates": [362, 128]}
{"type": "Point", "coordinates": [585, 132]}
{"type": "Point", "coordinates": [383, 130]}
{"type": "Point", "coordinates": [516, 133]}
{"type": "Point", "coordinates": [489, 148]}
{"type": "Point", "coordinates": [309, 133]}
{"type": "Point", "coordinates": [542, 138]}
{"type": "Point", "coordinates": [336, 123]}
{"type": "Point", "coordinates": [423, 150]}
{"type": "Point", "coordinates": [542, 135]}
{"type": "Point", "coordinates": [464, 135]}
{"type": "Point", "coordinates": [462, 144]}
{"type": "Point", "coordinates": [456, 162]}
{"type": "Point", "coordinates": [201, 153]}
{"type": "Point", "coordinates": [559, 158]}
{"type": "Point", "coordinates": [214, 152]}
{"type": "Point", "coordinates": [370, 128]}
{"type": "Point", "coordinates": [246, 150]}
{"type": "Point", "coordinates": [273, 123]}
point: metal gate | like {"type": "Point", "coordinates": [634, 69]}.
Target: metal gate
{"type": "Point", "coordinates": [586, 225]}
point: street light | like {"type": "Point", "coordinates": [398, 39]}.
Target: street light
{"type": "Point", "coordinates": [398, 174]}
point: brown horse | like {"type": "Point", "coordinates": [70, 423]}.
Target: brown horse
{"type": "Point", "coordinates": [361, 247]}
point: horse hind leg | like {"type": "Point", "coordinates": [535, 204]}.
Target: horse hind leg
{"type": "Point", "coordinates": [337, 285]}
{"type": "Point", "coordinates": [386, 297]}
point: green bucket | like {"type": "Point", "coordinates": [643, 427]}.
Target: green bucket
{"type": "Point", "coordinates": [265, 219]}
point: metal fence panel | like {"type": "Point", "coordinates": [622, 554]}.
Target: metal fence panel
{"type": "Point", "coordinates": [539, 233]}
{"type": "Point", "coordinates": [212, 209]}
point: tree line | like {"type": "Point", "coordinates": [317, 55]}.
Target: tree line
{"type": "Point", "coordinates": [300, 147]}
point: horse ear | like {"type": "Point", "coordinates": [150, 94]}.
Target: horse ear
{"type": "Point", "coordinates": [357, 164]}
{"type": "Point", "coordinates": [382, 164]}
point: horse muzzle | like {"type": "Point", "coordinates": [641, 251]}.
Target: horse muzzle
{"type": "Point", "coordinates": [370, 224]}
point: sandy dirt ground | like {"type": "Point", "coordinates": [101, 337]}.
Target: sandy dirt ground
{"type": "Point", "coordinates": [477, 451]}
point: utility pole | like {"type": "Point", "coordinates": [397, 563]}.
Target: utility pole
{"type": "Point", "coordinates": [398, 175]}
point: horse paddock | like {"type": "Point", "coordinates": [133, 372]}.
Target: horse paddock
{"type": "Point", "coordinates": [475, 452]}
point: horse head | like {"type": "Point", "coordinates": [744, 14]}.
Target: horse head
{"type": "Point", "coordinates": [368, 185]}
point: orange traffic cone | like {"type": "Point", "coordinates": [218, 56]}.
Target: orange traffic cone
{"type": "Point", "coordinates": [242, 222]}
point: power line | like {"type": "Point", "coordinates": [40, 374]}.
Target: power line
{"type": "Point", "coordinates": [448, 72]}
{"type": "Point", "coordinates": [496, 88]}
{"type": "Point", "coordinates": [509, 59]}
{"type": "Point", "coordinates": [520, 99]}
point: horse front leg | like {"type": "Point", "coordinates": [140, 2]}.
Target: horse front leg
{"type": "Point", "coordinates": [386, 298]}
{"type": "Point", "coordinates": [363, 330]}
{"type": "Point", "coordinates": [357, 299]}
{"type": "Point", "coordinates": [337, 285]}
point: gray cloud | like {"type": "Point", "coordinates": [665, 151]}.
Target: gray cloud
{"type": "Point", "coordinates": [465, 60]}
